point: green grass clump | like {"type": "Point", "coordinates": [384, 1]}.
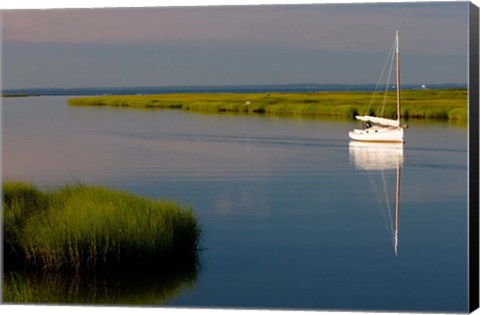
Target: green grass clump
{"type": "Point", "coordinates": [420, 104]}
{"type": "Point", "coordinates": [93, 228]}
{"type": "Point", "coordinates": [20, 201]}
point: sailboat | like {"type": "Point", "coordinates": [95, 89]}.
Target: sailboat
{"type": "Point", "coordinates": [382, 157]}
{"type": "Point", "coordinates": [379, 129]}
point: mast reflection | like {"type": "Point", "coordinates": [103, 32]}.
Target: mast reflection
{"type": "Point", "coordinates": [381, 157]}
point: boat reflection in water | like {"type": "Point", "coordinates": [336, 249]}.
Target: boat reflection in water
{"type": "Point", "coordinates": [381, 158]}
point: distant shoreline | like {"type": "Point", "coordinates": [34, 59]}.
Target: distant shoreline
{"type": "Point", "coordinates": [439, 104]}
{"type": "Point", "coordinates": [19, 95]}
{"type": "Point", "coordinates": [282, 88]}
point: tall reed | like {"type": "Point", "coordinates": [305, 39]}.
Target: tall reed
{"type": "Point", "coordinates": [20, 201]}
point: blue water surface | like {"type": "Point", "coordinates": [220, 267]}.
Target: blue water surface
{"type": "Point", "coordinates": [293, 216]}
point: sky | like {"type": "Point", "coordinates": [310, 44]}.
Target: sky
{"type": "Point", "coordinates": [239, 45]}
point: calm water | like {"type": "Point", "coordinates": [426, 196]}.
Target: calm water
{"type": "Point", "coordinates": [293, 215]}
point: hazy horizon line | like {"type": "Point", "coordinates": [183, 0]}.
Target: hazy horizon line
{"type": "Point", "coordinates": [432, 84]}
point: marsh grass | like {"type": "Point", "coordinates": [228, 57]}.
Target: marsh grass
{"type": "Point", "coordinates": [94, 228]}
{"type": "Point", "coordinates": [20, 201]}
{"type": "Point", "coordinates": [421, 104]}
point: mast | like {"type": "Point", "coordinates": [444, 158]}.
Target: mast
{"type": "Point", "coordinates": [397, 209]}
{"type": "Point", "coordinates": [398, 77]}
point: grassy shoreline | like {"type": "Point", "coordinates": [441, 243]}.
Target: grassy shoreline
{"type": "Point", "coordinates": [93, 229]}
{"type": "Point", "coordinates": [444, 104]}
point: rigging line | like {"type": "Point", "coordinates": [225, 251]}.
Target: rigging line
{"type": "Point", "coordinates": [378, 198]}
{"type": "Point", "coordinates": [389, 210]}
{"type": "Point", "coordinates": [381, 76]}
{"type": "Point", "coordinates": [376, 192]}
{"type": "Point", "coordinates": [389, 77]}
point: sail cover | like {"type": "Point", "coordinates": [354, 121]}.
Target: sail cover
{"type": "Point", "coordinates": [380, 121]}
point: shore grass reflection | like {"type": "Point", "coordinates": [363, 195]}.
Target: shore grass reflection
{"type": "Point", "coordinates": [130, 287]}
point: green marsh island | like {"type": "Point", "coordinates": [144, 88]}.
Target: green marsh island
{"type": "Point", "coordinates": [441, 104]}
{"type": "Point", "coordinates": [83, 239]}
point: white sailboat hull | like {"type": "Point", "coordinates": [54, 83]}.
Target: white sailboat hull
{"type": "Point", "coordinates": [377, 134]}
